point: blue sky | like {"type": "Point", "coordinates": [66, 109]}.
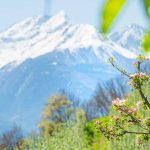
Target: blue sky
{"type": "Point", "coordinates": [79, 11]}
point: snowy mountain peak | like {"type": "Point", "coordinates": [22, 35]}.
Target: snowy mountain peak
{"type": "Point", "coordinates": [133, 27]}
{"type": "Point", "coordinates": [130, 29]}
{"type": "Point", "coordinates": [60, 16]}
{"type": "Point", "coordinates": [38, 35]}
{"type": "Point", "coordinates": [34, 23]}
{"type": "Point", "coordinates": [129, 37]}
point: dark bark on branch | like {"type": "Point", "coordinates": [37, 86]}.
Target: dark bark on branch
{"type": "Point", "coordinates": [140, 89]}
{"type": "Point", "coordinates": [137, 132]}
{"type": "Point", "coordinates": [144, 97]}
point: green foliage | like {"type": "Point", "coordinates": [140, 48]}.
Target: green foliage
{"type": "Point", "coordinates": [78, 134]}
{"type": "Point", "coordinates": [124, 121]}
{"type": "Point", "coordinates": [142, 139]}
{"type": "Point", "coordinates": [110, 12]}
{"type": "Point", "coordinates": [98, 141]}
{"type": "Point", "coordinates": [63, 127]}
{"type": "Point", "coordinates": [56, 112]}
{"type": "Point", "coordinates": [147, 7]}
{"type": "Point", "coordinates": [147, 121]}
{"type": "Point", "coordinates": [71, 137]}
{"type": "Point", "coordinates": [146, 42]}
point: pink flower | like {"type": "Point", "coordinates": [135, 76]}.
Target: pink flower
{"type": "Point", "coordinates": [141, 74]}
{"type": "Point", "coordinates": [111, 129]}
{"type": "Point", "coordinates": [97, 123]}
{"type": "Point", "coordinates": [118, 102]}
{"type": "Point", "coordinates": [134, 109]}
{"type": "Point", "coordinates": [115, 118]}
{"type": "Point", "coordinates": [130, 112]}
{"type": "Point", "coordinates": [139, 104]}
{"type": "Point", "coordinates": [102, 129]}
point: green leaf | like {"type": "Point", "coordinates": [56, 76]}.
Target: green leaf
{"type": "Point", "coordinates": [146, 42]}
{"type": "Point", "coordinates": [110, 12]}
{"type": "Point", "coordinates": [147, 7]}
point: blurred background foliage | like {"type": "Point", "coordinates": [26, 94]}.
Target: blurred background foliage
{"type": "Point", "coordinates": [111, 10]}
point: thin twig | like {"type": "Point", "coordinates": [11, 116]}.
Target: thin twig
{"type": "Point", "coordinates": [123, 72]}
{"type": "Point", "coordinates": [144, 97]}
{"type": "Point", "coordinates": [132, 132]}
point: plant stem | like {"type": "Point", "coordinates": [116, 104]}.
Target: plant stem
{"type": "Point", "coordinates": [144, 97]}
{"type": "Point", "coordinates": [137, 132]}
{"type": "Point", "coordinates": [123, 72]}
{"type": "Point", "coordinates": [140, 89]}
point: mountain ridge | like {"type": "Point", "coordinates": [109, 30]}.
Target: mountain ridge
{"type": "Point", "coordinates": [49, 54]}
{"type": "Point", "coordinates": [36, 37]}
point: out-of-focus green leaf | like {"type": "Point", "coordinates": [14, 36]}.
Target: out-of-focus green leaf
{"type": "Point", "coordinates": [146, 42]}
{"type": "Point", "coordinates": [147, 6]}
{"type": "Point", "coordinates": [110, 11]}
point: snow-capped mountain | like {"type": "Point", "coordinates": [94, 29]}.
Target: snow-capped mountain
{"type": "Point", "coordinates": [41, 55]}
{"type": "Point", "coordinates": [129, 37]}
